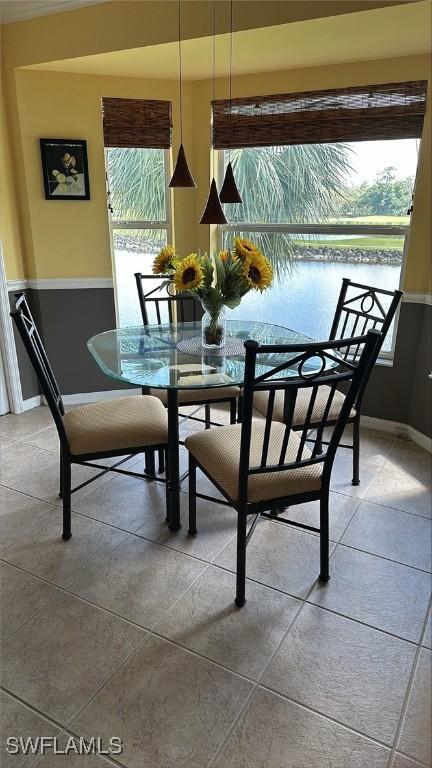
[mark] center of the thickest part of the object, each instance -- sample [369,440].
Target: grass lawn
[400,221]
[367,242]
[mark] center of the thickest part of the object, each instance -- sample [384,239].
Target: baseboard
[82,398]
[397,429]
[32,402]
[418,437]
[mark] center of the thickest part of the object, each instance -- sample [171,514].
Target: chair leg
[149,462]
[207,416]
[161,458]
[192,496]
[240,409]
[240,598]
[67,493]
[166,485]
[356,452]
[324,538]
[233,411]
[61,476]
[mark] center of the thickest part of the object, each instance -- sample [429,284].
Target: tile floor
[129,630]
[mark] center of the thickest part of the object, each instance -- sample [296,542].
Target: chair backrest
[312,368]
[160,305]
[361,308]
[35,349]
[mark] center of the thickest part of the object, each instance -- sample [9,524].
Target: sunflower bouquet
[217,281]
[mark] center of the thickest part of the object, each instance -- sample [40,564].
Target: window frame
[385,357]
[164,224]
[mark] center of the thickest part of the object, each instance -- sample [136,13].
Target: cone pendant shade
[229,192]
[213,213]
[182,176]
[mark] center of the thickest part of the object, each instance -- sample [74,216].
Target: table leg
[173,496]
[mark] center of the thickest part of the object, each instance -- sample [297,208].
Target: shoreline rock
[343,254]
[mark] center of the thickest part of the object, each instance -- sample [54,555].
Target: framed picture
[65,169]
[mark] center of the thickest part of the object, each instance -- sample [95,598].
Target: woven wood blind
[137,123]
[361,113]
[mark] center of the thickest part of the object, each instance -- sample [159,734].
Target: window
[137,138]
[322,212]
[140,219]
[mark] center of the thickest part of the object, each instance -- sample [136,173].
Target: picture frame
[65,169]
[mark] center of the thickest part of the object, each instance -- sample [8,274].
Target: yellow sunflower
[188,273]
[224,255]
[258,271]
[163,260]
[243,248]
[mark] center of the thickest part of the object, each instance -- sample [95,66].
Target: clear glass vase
[214,329]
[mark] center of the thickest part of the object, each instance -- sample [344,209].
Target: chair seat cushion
[111,425]
[218,452]
[302,404]
[198,395]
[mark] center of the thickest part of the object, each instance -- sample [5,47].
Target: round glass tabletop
[171,356]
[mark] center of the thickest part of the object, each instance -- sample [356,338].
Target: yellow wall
[71,238]
[128,24]
[9,232]
[418,265]
[60,104]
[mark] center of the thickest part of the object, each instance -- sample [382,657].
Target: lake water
[305,301]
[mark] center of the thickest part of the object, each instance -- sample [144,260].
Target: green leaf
[233,303]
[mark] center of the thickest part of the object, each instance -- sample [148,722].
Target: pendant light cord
[180,73]
[213,85]
[230,78]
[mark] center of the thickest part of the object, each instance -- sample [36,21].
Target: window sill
[386,362]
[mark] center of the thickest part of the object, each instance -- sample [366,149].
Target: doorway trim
[8,348]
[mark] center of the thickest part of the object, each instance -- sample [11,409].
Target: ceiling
[17,10]
[401,30]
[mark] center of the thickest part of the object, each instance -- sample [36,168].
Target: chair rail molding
[417,298]
[60,283]
[12,374]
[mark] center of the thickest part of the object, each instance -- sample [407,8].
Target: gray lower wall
[403,391]
[420,406]
[68,318]
[29,383]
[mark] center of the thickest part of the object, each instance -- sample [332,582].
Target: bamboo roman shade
[137,123]
[361,113]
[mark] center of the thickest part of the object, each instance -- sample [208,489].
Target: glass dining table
[171,358]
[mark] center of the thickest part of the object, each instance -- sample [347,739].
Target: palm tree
[137,183]
[297,184]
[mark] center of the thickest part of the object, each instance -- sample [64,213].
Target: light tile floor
[129,630]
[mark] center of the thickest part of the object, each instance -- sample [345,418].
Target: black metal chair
[159,306]
[359,309]
[261,466]
[101,430]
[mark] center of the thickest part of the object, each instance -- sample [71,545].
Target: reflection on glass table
[170,357]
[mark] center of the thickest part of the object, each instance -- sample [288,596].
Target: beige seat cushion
[111,425]
[198,395]
[302,404]
[218,451]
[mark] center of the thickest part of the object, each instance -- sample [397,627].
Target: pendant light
[229,192]
[182,176]
[213,213]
